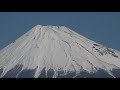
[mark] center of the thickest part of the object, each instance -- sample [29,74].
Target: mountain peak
[48,26]
[57,51]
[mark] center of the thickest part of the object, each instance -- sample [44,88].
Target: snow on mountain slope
[57,50]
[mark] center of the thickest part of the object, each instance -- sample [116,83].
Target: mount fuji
[57,52]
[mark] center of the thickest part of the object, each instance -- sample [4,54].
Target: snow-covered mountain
[57,52]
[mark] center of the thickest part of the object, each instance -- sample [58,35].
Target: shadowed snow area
[1,70]
[57,52]
[13,72]
[17,73]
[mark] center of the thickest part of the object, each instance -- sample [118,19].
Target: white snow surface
[56,47]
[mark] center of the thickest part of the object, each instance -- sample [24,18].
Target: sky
[101,27]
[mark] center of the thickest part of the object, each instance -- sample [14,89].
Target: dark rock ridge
[27,73]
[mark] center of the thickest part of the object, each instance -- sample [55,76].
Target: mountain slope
[57,51]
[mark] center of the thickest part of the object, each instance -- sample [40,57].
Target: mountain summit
[57,52]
